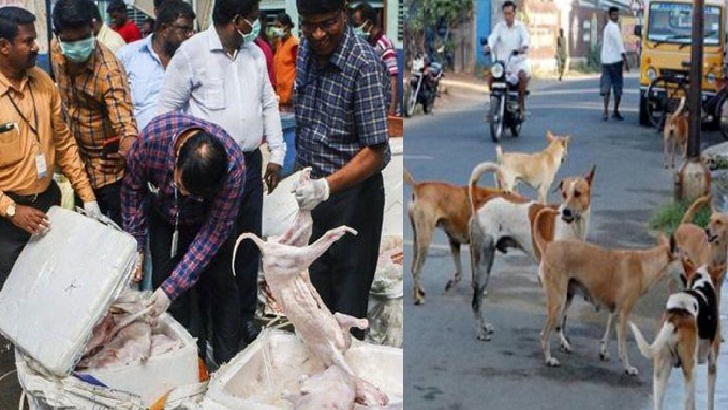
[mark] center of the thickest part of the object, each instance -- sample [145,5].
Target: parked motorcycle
[504,109]
[423,90]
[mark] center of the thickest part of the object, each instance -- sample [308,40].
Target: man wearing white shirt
[614,61]
[509,35]
[220,75]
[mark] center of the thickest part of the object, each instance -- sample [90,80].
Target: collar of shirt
[146,46]
[215,43]
[6,85]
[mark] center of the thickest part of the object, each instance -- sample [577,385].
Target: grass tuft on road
[667,217]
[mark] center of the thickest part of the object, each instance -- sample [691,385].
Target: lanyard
[35,114]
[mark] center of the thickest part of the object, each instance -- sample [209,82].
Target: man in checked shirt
[96,100]
[341,104]
[191,174]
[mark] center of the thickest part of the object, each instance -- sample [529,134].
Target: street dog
[688,337]
[705,246]
[500,223]
[612,277]
[535,169]
[675,134]
[438,204]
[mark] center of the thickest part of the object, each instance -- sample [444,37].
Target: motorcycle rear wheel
[496,119]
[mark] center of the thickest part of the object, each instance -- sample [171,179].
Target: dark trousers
[250,219]
[12,238]
[109,199]
[215,295]
[344,274]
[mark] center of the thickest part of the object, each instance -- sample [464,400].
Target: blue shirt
[340,108]
[146,75]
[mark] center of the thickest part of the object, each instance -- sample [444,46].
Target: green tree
[427,13]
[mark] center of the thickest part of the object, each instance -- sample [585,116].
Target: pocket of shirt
[10,148]
[215,95]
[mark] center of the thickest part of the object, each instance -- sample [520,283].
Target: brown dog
[705,246]
[616,278]
[675,134]
[688,337]
[535,169]
[438,204]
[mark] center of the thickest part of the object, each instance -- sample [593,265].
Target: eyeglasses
[184,29]
[308,27]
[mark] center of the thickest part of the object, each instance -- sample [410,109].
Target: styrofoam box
[160,374]
[259,377]
[61,286]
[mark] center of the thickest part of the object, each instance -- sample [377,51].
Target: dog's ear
[549,136]
[559,186]
[590,176]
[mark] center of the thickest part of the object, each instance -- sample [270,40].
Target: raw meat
[330,389]
[285,265]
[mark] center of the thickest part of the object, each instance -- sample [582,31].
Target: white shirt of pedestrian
[613,45]
[231,91]
[505,39]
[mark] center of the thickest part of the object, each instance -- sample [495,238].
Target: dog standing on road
[688,337]
[537,169]
[438,204]
[615,278]
[499,223]
[675,134]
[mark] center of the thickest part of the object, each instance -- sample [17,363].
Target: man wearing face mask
[285,59]
[183,187]
[220,75]
[341,94]
[363,20]
[96,98]
[146,60]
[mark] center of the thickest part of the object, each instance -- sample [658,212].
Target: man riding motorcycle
[509,35]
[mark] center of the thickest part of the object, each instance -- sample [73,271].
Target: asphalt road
[445,366]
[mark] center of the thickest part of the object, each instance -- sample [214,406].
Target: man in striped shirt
[96,100]
[341,116]
[364,20]
[190,174]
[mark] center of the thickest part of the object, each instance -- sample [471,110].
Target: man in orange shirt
[97,101]
[34,139]
[122,25]
[284,60]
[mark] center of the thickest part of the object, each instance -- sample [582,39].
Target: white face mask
[250,37]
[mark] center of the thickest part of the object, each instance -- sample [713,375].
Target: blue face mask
[250,37]
[77,51]
[359,31]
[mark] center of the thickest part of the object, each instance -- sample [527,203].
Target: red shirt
[268,59]
[129,32]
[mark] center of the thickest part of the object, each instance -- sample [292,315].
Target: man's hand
[139,268]
[92,209]
[30,220]
[159,303]
[272,176]
[125,145]
[310,194]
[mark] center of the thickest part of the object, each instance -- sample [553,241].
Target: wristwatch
[10,211]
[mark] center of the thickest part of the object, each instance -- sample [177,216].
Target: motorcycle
[504,109]
[420,91]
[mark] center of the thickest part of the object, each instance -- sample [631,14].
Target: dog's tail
[479,170]
[541,242]
[408,178]
[661,341]
[690,213]
[681,107]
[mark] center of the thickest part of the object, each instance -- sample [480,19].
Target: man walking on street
[146,60]
[34,139]
[341,94]
[364,21]
[561,53]
[614,63]
[97,101]
[191,174]
[220,75]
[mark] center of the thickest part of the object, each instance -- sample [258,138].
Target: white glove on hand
[92,209]
[159,303]
[311,193]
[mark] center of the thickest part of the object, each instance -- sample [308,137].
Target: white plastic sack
[386,313]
